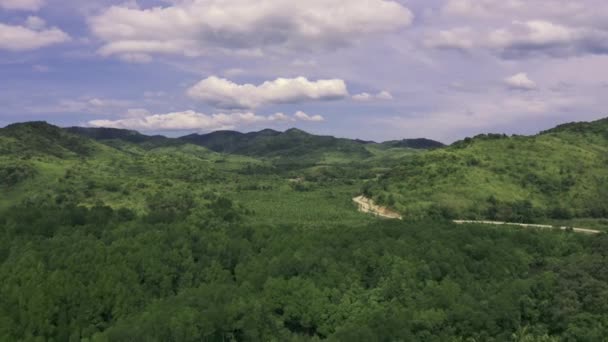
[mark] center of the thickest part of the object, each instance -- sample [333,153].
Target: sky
[369,69]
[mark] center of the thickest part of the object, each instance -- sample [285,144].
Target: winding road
[367,205]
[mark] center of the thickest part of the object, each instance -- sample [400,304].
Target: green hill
[108,135]
[422,144]
[559,174]
[40,138]
[293,145]
[108,235]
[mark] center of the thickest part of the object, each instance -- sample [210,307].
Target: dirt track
[533,226]
[367,205]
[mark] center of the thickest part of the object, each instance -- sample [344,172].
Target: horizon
[181,135]
[441,69]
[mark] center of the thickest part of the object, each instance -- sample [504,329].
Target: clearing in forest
[367,205]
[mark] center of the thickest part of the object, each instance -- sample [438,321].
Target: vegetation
[560,174]
[109,235]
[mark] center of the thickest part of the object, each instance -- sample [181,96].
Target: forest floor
[367,205]
[533,226]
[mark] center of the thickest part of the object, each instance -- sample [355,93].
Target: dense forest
[115,236]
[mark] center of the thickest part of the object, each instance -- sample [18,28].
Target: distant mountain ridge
[420,143]
[228,141]
[267,142]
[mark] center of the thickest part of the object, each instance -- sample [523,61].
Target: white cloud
[539,37]
[21,38]
[35,23]
[516,29]
[92,105]
[384,95]
[457,38]
[222,93]
[26,5]
[198,27]
[480,8]
[471,114]
[520,81]
[365,97]
[305,117]
[525,39]
[189,120]
[139,58]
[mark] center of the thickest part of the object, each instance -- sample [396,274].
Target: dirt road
[367,205]
[536,226]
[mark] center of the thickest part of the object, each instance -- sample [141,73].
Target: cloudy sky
[371,69]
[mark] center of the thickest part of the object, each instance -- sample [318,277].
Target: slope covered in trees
[558,174]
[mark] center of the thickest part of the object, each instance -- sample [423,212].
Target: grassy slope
[127,173]
[562,171]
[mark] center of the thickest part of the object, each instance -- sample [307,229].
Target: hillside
[40,138]
[108,135]
[422,144]
[559,174]
[105,236]
[292,146]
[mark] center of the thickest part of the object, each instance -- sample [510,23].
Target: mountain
[293,143]
[422,144]
[41,138]
[561,173]
[264,143]
[596,127]
[110,134]
[229,141]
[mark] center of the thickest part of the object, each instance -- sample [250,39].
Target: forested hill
[34,138]
[421,143]
[558,174]
[114,134]
[266,142]
[293,142]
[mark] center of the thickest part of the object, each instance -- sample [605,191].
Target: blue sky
[371,69]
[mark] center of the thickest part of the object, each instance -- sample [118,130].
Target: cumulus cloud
[198,27]
[365,97]
[520,81]
[517,29]
[190,120]
[35,23]
[305,117]
[525,39]
[481,8]
[26,5]
[540,37]
[460,38]
[222,93]
[22,38]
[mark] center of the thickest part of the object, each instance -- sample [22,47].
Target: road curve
[367,205]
